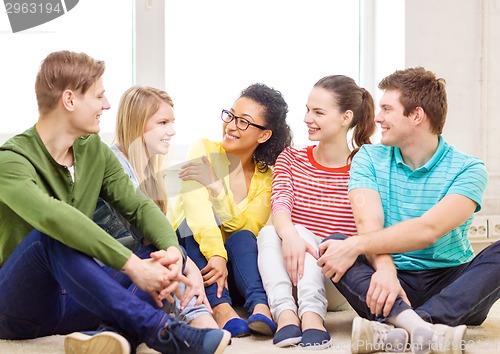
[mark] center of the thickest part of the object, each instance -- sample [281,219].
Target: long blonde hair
[137,105]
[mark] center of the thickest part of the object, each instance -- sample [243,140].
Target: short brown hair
[420,88]
[62,71]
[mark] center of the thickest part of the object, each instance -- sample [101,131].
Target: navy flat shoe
[287,336]
[262,324]
[315,339]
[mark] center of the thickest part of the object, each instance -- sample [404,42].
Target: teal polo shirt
[408,194]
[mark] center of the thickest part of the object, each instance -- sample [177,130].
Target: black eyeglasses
[241,123]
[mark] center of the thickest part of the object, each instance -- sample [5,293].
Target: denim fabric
[110,220]
[48,288]
[131,237]
[451,296]
[117,226]
[242,267]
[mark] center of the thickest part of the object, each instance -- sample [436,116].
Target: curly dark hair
[275,110]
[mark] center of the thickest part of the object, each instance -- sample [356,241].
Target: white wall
[225,45]
[458,40]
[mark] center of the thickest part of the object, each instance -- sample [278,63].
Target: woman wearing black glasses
[225,201]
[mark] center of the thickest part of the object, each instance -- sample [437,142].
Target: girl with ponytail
[310,202]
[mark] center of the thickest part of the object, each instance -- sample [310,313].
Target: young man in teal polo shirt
[411,273]
[50,179]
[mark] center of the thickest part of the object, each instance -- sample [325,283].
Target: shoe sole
[240,335]
[356,325]
[456,345]
[288,342]
[102,343]
[225,341]
[458,338]
[260,328]
[321,346]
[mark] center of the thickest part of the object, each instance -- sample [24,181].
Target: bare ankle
[262,309]
[204,321]
[312,320]
[223,313]
[288,317]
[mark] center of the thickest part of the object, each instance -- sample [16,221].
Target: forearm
[215,188]
[282,222]
[211,243]
[382,262]
[200,219]
[190,267]
[410,235]
[225,208]
[26,200]
[375,222]
[407,236]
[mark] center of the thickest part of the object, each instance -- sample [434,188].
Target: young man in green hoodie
[51,177]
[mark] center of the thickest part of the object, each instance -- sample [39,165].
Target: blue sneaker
[98,342]
[177,337]
[261,324]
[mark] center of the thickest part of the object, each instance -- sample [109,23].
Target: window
[214,49]
[85,28]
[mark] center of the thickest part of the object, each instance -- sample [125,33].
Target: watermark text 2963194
[24,14]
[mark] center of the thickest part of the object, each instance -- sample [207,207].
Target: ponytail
[349,96]
[364,126]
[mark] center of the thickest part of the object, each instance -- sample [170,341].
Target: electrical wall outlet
[479,228]
[494,226]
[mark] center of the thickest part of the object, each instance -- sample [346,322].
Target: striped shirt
[314,195]
[406,194]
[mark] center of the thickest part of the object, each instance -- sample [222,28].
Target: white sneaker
[106,342]
[372,336]
[439,339]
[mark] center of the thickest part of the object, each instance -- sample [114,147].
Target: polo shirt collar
[429,164]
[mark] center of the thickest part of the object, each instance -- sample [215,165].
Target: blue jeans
[48,288]
[451,296]
[131,237]
[117,226]
[242,267]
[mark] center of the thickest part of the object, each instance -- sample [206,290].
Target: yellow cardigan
[196,205]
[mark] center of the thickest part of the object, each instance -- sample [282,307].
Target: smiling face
[238,142]
[89,108]
[159,129]
[323,119]
[395,126]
